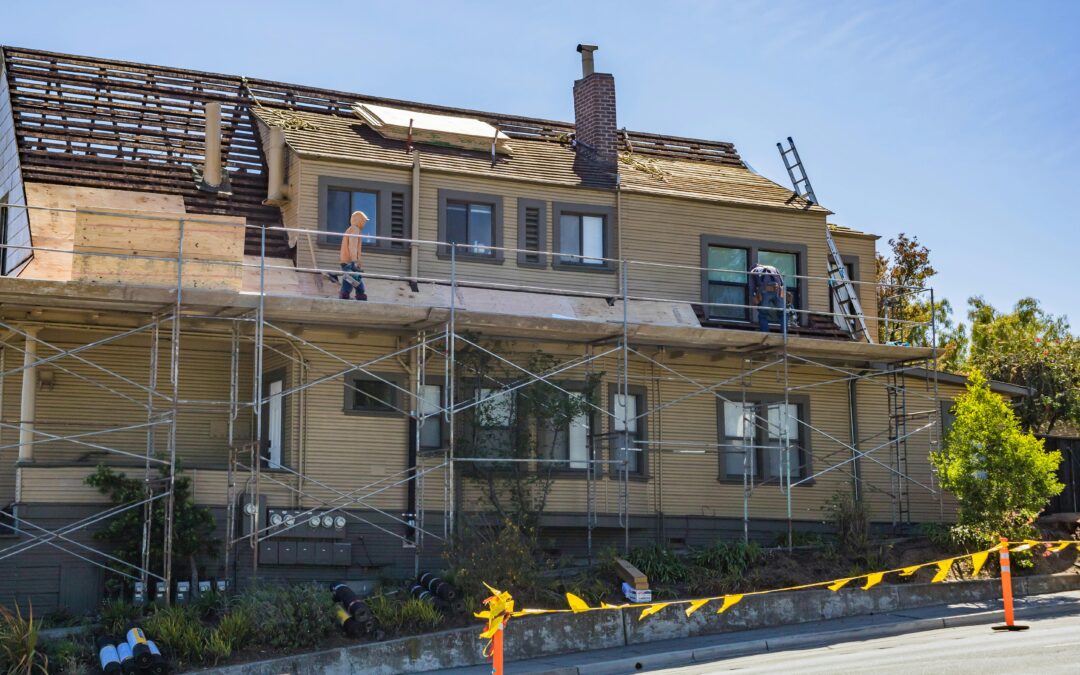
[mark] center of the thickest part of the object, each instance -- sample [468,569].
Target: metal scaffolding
[250,330]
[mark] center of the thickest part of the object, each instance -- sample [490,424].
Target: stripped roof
[116,124]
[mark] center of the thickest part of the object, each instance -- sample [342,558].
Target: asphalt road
[1051,645]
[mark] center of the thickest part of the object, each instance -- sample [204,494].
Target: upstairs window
[472,224]
[627,442]
[726,279]
[343,203]
[583,236]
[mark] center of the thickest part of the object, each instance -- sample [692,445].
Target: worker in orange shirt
[351,251]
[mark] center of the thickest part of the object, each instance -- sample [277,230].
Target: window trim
[642,474]
[382,220]
[753,246]
[558,210]
[348,407]
[758,398]
[523,204]
[496,202]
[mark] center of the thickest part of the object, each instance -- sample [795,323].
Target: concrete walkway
[703,649]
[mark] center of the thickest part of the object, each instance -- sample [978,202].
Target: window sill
[607,268]
[443,253]
[723,480]
[361,412]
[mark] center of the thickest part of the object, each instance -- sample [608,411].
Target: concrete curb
[534,638]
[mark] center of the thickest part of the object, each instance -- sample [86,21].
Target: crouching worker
[767,290]
[351,251]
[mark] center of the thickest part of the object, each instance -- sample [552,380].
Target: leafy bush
[20,643]
[178,628]
[117,616]
[236,628]
[661,565]
[504,557]
[65,656]
[211,604]
[217,647]
[419,614]
[850,519]
[731,558]
[289,617]
[1002,476]
[403,615]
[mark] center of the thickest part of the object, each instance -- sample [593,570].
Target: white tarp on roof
[446,130]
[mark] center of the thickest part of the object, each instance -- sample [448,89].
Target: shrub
[20,649]
[211,604]
[1002,476]
[217,647]
[504,557]
[729,558]
[289,617]
[385,611]
[419,614]
[850,519]
[661,565]
[178,628]
[237,628]
[64,656]
[117,616]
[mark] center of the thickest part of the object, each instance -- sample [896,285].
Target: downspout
[853,418]
[414,245]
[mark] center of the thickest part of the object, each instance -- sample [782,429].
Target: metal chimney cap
[587,48]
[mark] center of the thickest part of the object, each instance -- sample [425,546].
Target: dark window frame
[542,252]
[384,196]
[853,262]
[753,247]
[348,403]
[560,471]
[642,394]
[462,253]
[805,456]
[560,209]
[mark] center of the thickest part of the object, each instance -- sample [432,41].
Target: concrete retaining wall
[545,635]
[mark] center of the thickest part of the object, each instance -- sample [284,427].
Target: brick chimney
[594,112]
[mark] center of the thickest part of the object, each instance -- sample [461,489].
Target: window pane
[480,229]
[570,238]
[455,224]
[431,428]
[592,239]
[728,302]
[337,212]
[497,411]
[734,457]
[368,202]
[738,420]
[578,441]
[372,395]
[726,258]
[625,407]
[774,461]
[787,263]
[777,420]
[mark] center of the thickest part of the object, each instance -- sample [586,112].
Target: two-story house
[168,303]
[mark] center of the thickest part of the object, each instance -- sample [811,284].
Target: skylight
[445,130]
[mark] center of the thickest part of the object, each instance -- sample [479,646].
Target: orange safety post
[1006,588]
[497,650]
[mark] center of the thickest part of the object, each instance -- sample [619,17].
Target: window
[726,282]
[752,435]
[948,417]
[490,425]
[385,204]
[629,431]
[273,420]
[571,442]
[472,223]
[532,233]
[343,203]
[431,428]
[369,394]
[583,237]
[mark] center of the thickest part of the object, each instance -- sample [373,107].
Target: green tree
[1001,475]
[905,306]
[193,525]
[1030,348]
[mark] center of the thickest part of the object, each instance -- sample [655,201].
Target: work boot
[343,295]
[361,296]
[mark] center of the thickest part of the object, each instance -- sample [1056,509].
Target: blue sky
[954,121]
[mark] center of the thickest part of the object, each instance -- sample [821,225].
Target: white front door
[273,424]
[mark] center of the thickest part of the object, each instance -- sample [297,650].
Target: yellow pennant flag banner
[500,606]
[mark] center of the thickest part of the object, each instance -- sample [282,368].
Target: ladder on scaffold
[849,313]
[898,416]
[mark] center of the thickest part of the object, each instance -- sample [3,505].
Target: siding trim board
[384,219]
[462,254]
